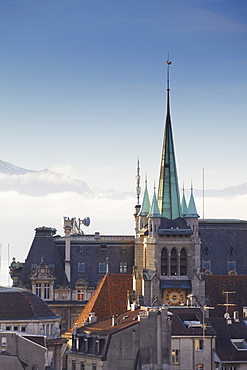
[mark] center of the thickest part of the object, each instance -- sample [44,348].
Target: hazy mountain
[9,168]
[38,183]
[230,191]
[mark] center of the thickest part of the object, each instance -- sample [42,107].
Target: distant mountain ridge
[43,182]
[38,183]
[9,168]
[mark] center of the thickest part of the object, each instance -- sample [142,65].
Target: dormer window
[80,295]
[239,344]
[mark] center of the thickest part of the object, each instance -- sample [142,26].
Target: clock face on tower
[174,297]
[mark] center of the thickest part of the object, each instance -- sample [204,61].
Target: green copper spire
[184,208]
[145,202]
[168,193]
[192,212]
[154,209]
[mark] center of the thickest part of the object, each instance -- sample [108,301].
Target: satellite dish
[86,221]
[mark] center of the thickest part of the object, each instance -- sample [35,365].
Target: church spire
[168,192]
[145,203]
[184,207]
[191,211]
[154,209]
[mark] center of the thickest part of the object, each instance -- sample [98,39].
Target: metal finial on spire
[168,63]
[138,179]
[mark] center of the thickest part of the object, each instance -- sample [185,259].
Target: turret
[192,215]
[144,211]
[154,217]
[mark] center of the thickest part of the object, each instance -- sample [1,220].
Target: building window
[164,266]
[231,266]
[97,345]
[38,289]
[73,364]
[33,265]
[23,328]
[47,291]
[35,367]
[81,267]
[123,267]
[103,247]
[85,345]
[198,344]
[206,265]
[81,248]
[47,331]
[199,367]
[174,262]
[175,356]
[102,267]
[94,366]
[205,250]
[183,262]
[82,366]
[80,295]
[16,328]
[8,327]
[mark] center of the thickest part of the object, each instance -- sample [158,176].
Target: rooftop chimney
[96,235]
[92,318]
[113,320]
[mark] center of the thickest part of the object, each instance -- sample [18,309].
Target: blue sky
[83,89]
[83,86]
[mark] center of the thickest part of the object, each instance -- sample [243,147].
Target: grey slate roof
[19,304]
[43,246]
[226,332]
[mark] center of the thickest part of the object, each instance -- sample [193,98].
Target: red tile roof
[109,299]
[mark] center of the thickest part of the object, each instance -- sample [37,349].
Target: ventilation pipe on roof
[228,318]
[96,235]
[236,316]
[113,320]
[92,318]
[133,306]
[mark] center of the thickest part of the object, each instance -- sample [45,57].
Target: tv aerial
[76,225]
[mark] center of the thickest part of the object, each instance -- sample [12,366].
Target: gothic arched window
[174,262]
[183,262]
[164,265]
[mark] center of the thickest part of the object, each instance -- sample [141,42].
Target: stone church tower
[167,245]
